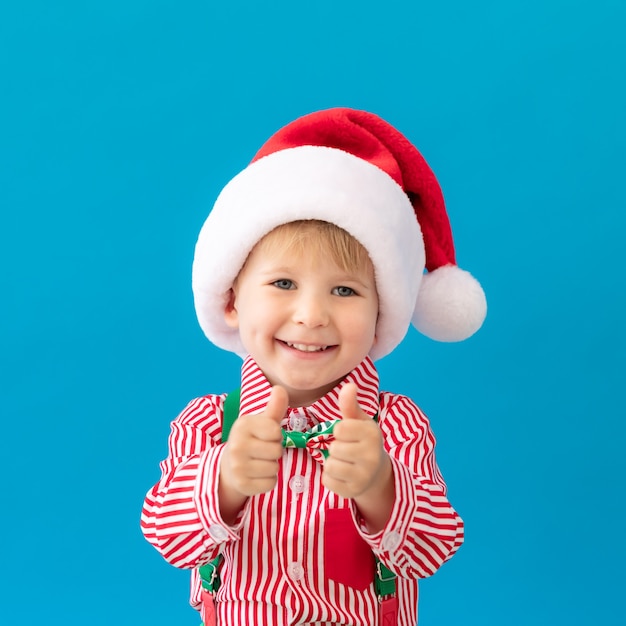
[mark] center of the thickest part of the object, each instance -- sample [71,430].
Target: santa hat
[353,169]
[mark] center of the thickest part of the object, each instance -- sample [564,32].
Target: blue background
[119,124]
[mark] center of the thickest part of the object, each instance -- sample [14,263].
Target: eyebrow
[279,269]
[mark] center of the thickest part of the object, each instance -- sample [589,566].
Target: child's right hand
[249,463]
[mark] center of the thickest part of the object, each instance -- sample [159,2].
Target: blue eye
[283,283]
[343,291]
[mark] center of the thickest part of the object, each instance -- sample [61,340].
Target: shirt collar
[255,391]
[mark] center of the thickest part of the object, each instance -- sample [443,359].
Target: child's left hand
[357,460]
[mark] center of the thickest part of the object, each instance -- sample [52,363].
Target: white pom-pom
[451,305]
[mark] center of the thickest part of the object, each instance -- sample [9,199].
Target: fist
[357,457]
[249,463]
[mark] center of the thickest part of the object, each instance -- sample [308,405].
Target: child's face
[306,321]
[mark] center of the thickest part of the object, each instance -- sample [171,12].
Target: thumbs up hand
[357,460]
[249,463]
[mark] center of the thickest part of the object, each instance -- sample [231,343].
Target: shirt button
[297,422]
[391,541]
[297,484]
[295,571]
[218,533]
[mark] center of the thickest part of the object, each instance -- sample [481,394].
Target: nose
[310,309]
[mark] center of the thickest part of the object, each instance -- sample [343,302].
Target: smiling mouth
[303,347]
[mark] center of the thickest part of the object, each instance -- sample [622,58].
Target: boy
[310,266]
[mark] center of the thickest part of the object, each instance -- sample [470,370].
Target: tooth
[305,348]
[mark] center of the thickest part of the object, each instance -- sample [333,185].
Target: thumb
[277,405]
[348,403]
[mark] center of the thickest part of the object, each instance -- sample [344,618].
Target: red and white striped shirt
[299,554]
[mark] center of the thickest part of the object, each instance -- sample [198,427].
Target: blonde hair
[318,239]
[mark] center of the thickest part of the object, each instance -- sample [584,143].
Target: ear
[231,317]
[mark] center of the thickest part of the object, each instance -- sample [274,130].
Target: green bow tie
[316,440]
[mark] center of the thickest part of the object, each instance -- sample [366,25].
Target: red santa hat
[353,169]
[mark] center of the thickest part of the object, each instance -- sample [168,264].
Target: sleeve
[423,531]
[181,516]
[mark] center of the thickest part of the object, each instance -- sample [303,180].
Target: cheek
[360,329]
[259,319]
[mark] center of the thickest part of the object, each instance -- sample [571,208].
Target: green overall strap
[231,412]
[385,582]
